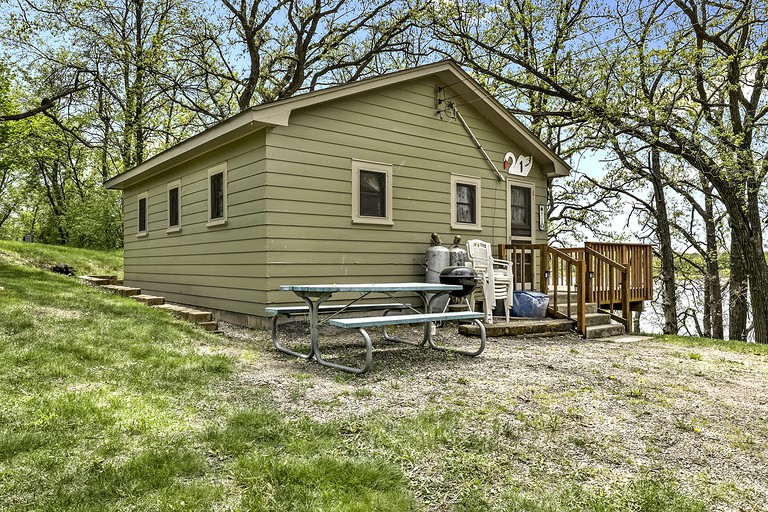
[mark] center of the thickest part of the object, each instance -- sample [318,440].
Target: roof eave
[232,129]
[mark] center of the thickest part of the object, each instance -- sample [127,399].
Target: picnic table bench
[382,321]
[325,309]
[315,295]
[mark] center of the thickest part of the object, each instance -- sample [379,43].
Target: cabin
[343,184]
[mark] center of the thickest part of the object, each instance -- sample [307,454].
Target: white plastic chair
[496,279]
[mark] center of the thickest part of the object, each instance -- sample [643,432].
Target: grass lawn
[111,405]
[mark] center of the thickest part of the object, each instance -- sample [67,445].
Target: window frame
[173,228]
[472,181]
[218,221]
[375,167]
[531,212]
[140,233]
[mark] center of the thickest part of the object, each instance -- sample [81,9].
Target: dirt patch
[596,412]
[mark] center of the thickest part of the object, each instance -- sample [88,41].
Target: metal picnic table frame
[314,295]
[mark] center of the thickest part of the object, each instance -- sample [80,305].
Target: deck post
[625,298]
[543,268]
[582,311]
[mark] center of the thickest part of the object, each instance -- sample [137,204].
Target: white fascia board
[233,128]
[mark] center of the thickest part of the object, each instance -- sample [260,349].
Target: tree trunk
[667,256]
[712,279]
[737,301]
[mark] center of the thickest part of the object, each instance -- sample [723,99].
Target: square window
[174,206]
[371,193]
[465,202]
[142,215]
[217,195]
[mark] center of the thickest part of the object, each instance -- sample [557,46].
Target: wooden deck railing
[615,276]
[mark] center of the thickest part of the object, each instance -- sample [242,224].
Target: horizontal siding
[220,267]
[311,235]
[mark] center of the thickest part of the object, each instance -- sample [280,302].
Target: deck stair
[203,319]
[616,277]
[598,324]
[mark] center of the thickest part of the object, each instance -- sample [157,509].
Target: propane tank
[457,253]
[438,258]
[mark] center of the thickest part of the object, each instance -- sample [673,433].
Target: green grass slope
[111,405]
[83,261]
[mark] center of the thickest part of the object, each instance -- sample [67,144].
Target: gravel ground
[564,409]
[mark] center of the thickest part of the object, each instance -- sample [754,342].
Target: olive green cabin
[341,185]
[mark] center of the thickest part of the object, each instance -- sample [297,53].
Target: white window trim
[221,168]
[362,165]
[145,232]
[457,179]
[522,184]
[169,228]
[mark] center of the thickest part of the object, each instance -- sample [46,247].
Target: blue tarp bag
[529,304]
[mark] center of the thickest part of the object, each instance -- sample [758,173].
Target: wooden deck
[616,277]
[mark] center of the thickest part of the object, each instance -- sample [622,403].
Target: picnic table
[314,295]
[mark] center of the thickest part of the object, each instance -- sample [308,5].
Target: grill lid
[463,276]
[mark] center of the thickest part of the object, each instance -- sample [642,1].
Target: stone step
[177,311]
[149,300]
[199,317]
[603,331]
[123,291]
[209,326]
[98,280]
[202,318]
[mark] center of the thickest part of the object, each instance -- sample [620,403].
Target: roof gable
[278,113]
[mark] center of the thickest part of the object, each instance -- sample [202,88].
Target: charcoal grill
[463,276]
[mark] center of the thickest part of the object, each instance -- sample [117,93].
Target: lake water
[690,307]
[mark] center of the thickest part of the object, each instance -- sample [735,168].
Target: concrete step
[590,308]
[149,300]
[603,331]
[563,297]
[519,327]
[123,291]
[597,319]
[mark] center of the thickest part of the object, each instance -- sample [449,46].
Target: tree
[294,46]
[122,51]
[707,61]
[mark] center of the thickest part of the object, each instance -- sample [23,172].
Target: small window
[174,206]
[519,211]
[465,203]
[142,215]
[371,192]
[217,195]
